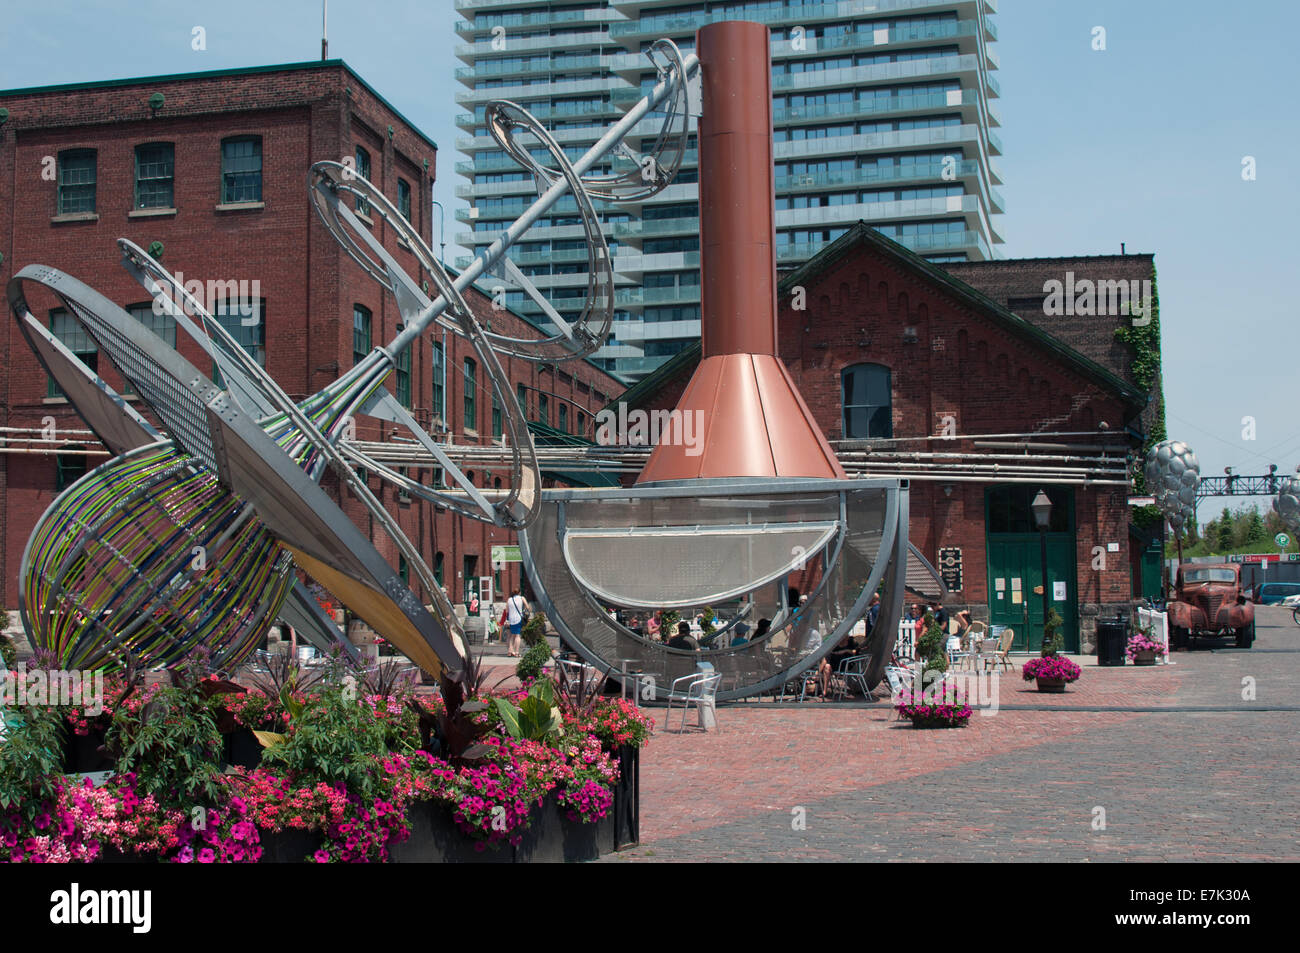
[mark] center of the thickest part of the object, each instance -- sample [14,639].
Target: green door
[1015,583]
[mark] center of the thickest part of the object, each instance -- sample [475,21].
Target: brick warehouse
[972,350]
[213,167]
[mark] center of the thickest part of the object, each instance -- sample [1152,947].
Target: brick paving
[1018,785]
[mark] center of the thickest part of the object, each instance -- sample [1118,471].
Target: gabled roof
[864,234]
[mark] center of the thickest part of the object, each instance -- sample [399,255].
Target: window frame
[872,409]
[62,196]
[360,311]
[470,395]
[170,179]
[231,191]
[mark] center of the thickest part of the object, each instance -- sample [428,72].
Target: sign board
[506,554]
[1141,501]
[950,568]
[1058,591]
[1282,540]
[1256,558]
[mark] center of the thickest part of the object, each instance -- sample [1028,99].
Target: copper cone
[741,399]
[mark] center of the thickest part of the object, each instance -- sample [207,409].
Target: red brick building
[212,167]
[913,373]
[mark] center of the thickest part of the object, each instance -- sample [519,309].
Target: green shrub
[932,648]
[530,666]
[172,744]
[30,758]
[8,651]
[534,630]
[337,738]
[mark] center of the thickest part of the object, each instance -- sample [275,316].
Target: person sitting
[740,634]
[764,626]
[683,640]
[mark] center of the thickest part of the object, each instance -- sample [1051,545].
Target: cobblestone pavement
[1027,783]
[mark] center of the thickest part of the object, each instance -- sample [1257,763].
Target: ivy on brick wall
[1143,341]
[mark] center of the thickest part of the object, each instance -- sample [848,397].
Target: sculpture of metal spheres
[1287,503]
[1172,475]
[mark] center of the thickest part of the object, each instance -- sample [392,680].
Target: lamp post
[1042,509]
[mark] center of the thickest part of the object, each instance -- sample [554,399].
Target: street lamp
[1042,509]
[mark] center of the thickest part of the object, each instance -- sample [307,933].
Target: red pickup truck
[1210,602]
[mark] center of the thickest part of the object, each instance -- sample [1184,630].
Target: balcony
[468,28]
[964,99]
[875,176]
[660,226]
[470,52]
[657,25]
[649,297]
[599,85]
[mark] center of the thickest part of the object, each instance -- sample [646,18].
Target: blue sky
[1141,143]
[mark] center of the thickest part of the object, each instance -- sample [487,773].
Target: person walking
[516,610]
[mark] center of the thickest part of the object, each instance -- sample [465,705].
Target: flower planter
[1144,657]
[289,846]
[551,838]
[1053,685]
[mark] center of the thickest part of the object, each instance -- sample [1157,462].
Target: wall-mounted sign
[950,567]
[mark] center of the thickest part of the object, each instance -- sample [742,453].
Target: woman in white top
[516,606]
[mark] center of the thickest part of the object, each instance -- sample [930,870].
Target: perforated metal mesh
[156,375]
[839,582]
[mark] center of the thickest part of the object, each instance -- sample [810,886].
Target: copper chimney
[741,398]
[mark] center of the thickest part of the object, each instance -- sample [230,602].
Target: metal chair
[1002,654]
[852,673]
[702,692]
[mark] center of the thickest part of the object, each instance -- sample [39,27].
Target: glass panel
[154,175]
[241,170]
[76,181]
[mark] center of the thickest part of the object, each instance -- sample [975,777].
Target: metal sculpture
[1172,474]
[763,508]
[1287,502]
[258,456]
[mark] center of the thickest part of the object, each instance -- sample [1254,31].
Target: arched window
[867,402]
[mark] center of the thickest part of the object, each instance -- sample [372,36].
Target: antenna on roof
[324,31]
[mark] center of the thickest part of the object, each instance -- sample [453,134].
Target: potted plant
[1052,671]
[1142,649]
[938,704]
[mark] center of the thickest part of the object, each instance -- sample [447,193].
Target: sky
[1142,142]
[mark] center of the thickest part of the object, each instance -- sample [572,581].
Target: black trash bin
[1112,639]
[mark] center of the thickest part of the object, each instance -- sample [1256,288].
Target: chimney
[743,404]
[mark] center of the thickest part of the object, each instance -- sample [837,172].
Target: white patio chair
[702,693]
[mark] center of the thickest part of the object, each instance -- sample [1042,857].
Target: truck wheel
[1246,636]
[1178,637]
[1295,615]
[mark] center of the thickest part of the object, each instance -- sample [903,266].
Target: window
[360,333]
[471,395]
[1009,509]
[563,412]
[543,410]
[439,381]
[438,559]
[363,170]
[74,337]
[70,467]
[241,170]
[404,198]
[404,376]
[496,416]
[76,181]
[867,402]
[246,323]
[521,393]
[155,175]
[403,570]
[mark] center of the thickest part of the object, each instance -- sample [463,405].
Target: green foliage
[932,648]
[530,666]
[338,738]
[537,718]
[1053,637]
[30,758]
[8,651]
[534,630]
[1245,530]
[1143,343]
[668,620]
[707,628]
[171,744]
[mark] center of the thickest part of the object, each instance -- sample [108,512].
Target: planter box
[1144,657]
[1055,686]
[242,748]
[81,754]
[289,846]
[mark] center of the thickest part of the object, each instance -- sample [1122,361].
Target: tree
[1224,540]
[1255,532]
